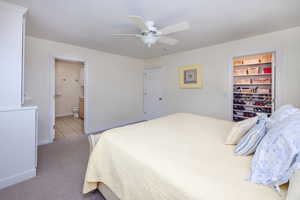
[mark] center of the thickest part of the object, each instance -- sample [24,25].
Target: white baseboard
[45,142]
[64,115]
[12,180]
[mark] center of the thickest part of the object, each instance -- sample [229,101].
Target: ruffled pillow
[278,155]
[280,114]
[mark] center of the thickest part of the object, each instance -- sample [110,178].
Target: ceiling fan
[150,34]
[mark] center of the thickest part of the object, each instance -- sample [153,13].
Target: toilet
[75,111]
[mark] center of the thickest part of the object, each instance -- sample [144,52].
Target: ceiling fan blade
[175,28]
[125,35]
[139,22]
[167,40]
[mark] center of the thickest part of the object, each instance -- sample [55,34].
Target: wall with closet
[214,99]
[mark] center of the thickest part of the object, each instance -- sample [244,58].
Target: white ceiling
[90,23]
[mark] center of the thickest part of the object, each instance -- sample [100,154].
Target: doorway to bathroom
[68,98]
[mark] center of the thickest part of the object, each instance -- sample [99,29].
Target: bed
[180,156]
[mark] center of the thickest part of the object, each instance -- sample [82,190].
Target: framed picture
[190,76]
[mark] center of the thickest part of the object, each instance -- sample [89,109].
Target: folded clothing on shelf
[263,90]
[243,81]
[249,60]
[267,70]
[240,71]
[238,61]
[247,90]
[253,70]
[264,80]
[266,58]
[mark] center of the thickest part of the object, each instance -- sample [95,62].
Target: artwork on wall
[190,76]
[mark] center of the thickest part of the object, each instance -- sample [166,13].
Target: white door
[153,99]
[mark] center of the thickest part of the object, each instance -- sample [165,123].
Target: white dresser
[18,123]
[18,144]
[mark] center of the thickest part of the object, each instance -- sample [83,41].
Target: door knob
[160,99]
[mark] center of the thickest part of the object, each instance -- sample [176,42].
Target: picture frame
[191,76]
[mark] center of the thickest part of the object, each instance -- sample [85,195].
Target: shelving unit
[253,88]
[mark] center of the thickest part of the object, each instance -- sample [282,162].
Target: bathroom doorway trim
[52,92]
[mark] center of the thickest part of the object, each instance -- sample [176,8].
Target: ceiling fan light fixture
[150,25]
[150,35]
[149,40]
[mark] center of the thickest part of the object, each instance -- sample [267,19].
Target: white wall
[114,85]
[11,18]
[213,99]
[67,86]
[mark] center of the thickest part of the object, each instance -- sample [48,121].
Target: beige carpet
[60,174]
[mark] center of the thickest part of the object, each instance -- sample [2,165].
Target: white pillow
[240,129]
[294,187]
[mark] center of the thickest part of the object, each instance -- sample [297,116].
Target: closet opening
[253,84]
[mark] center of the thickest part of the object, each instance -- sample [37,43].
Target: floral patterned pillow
[277,156]
[280,114]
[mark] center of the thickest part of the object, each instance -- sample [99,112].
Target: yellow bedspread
[178,157]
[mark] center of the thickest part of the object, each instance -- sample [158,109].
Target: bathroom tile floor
[68,127]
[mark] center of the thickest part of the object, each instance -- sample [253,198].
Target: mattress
[181,156]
